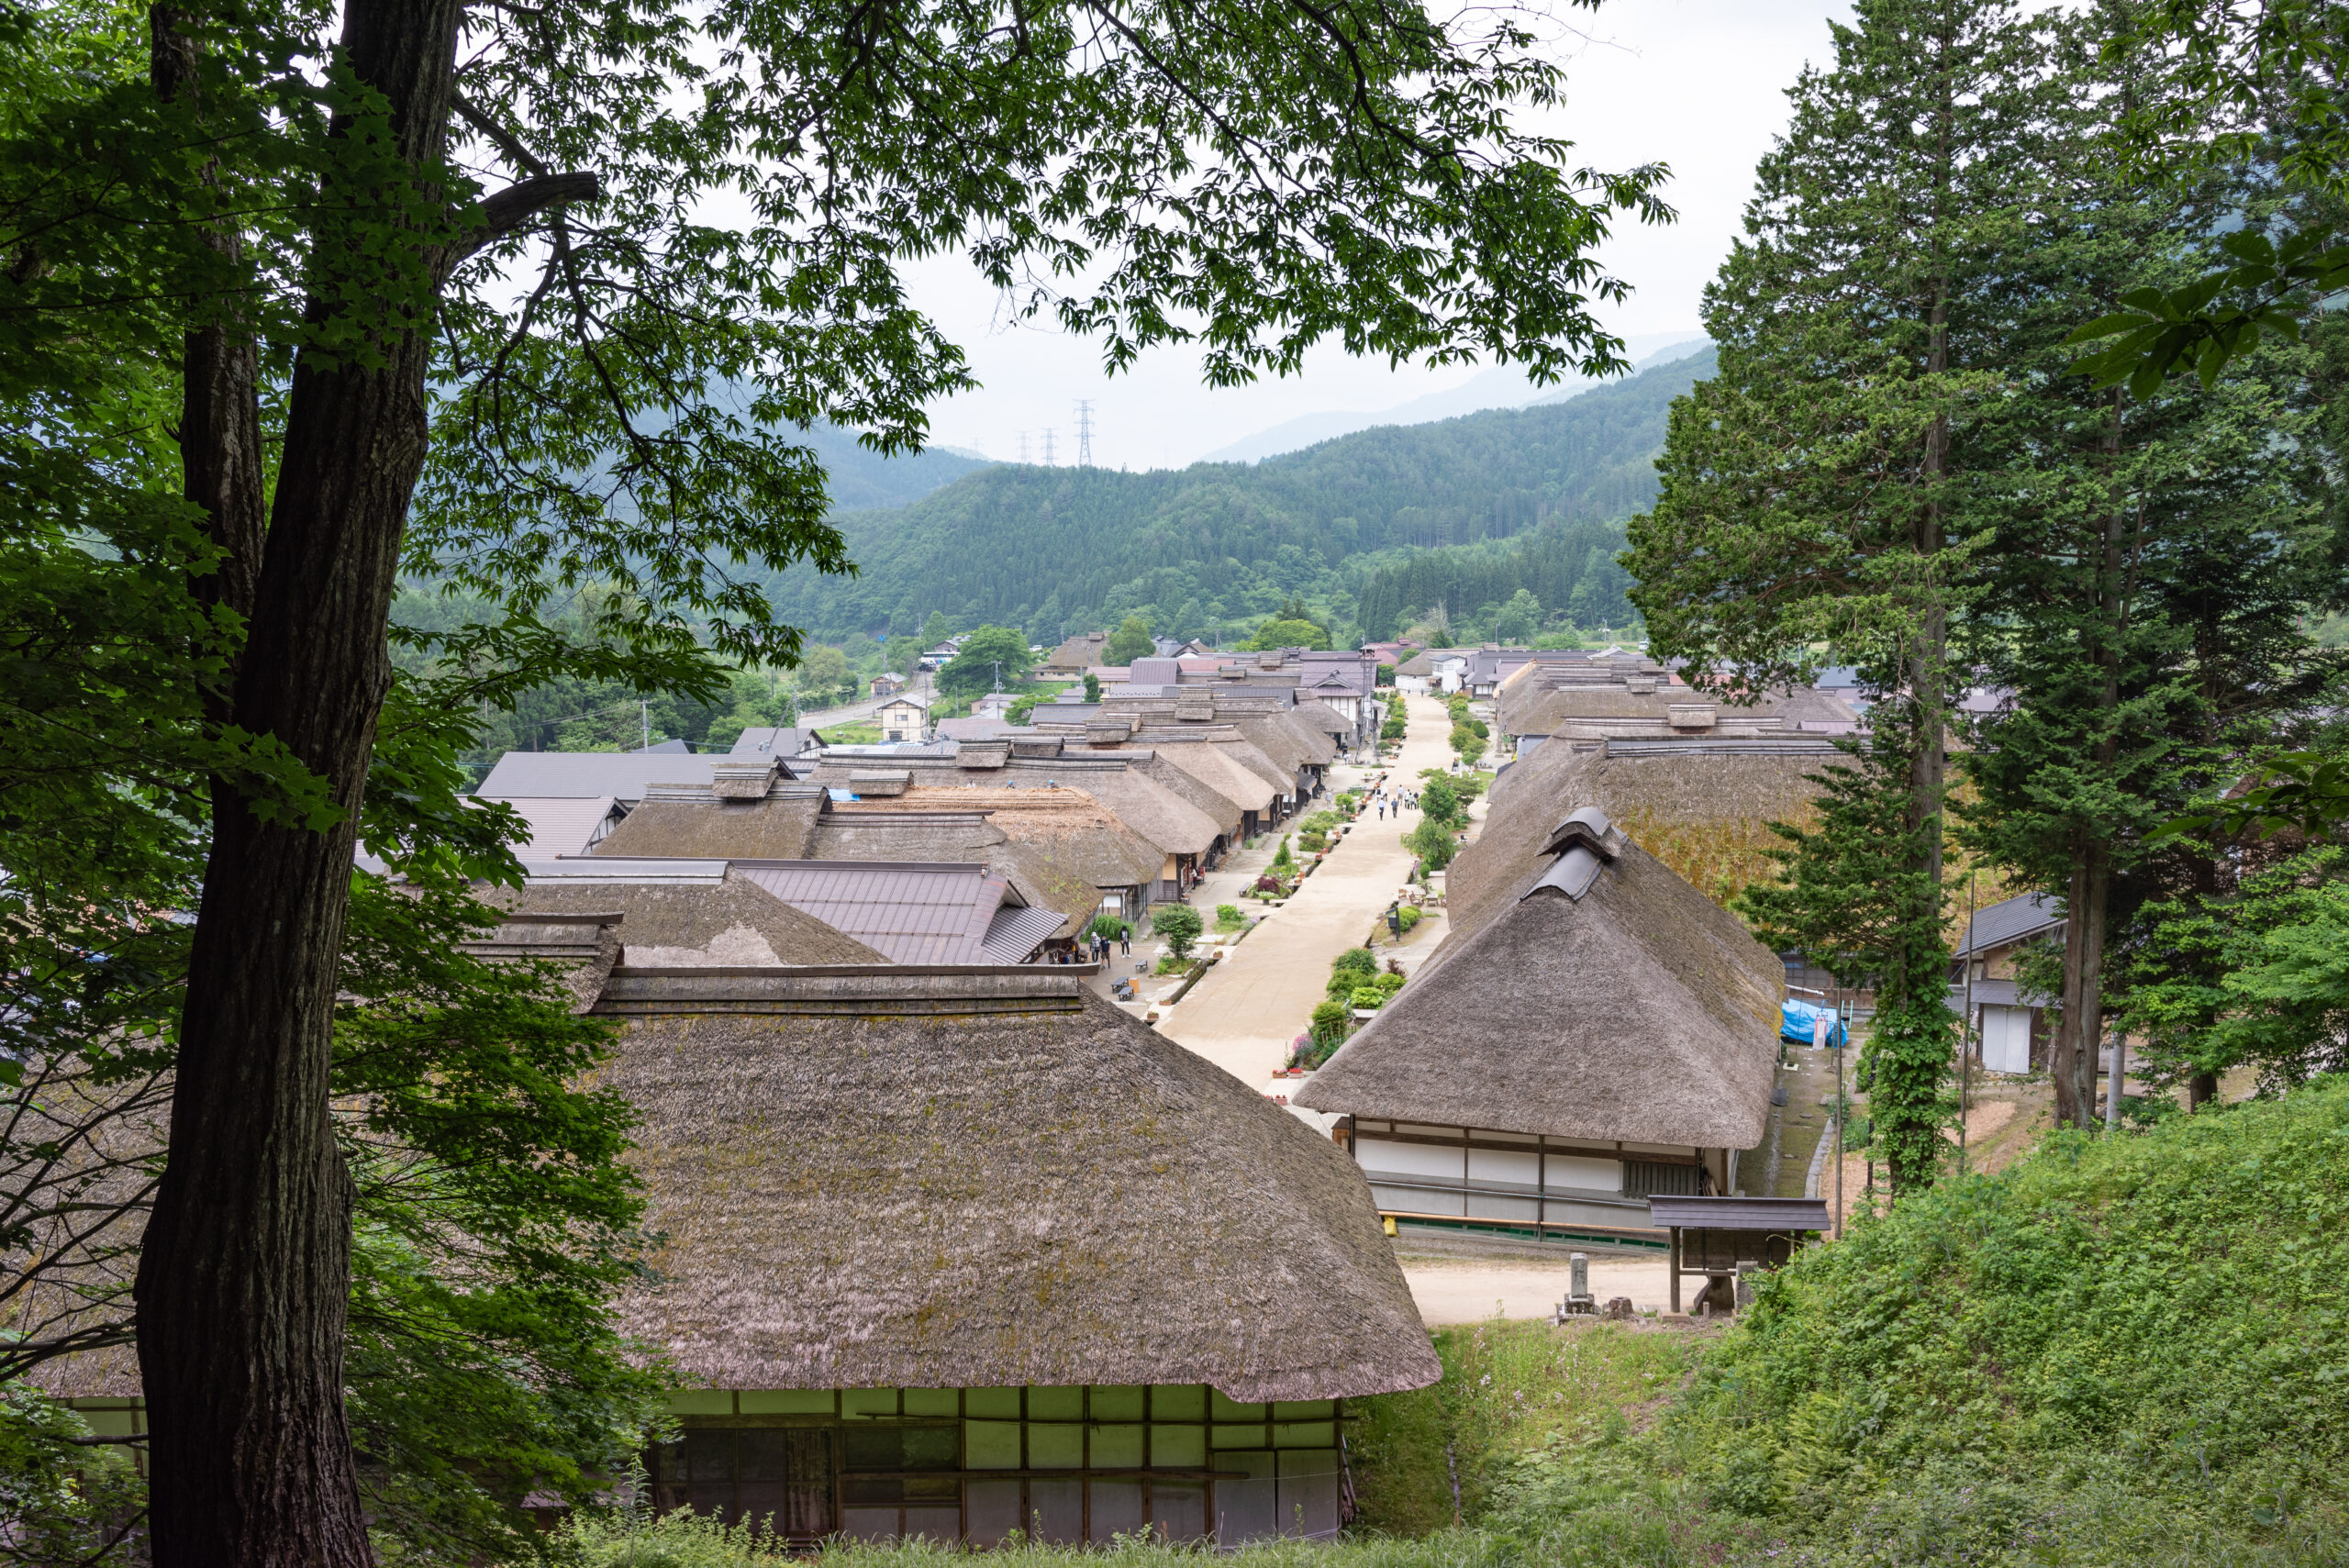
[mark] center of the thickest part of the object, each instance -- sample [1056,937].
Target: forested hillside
[1208,549]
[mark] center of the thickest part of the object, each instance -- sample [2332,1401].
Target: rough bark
[219,428]
[244,1278]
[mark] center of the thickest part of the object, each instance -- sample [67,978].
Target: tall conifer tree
[1818,493]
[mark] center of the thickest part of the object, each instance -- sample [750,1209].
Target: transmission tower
[1048,445]
[1023,447]
[1085,432]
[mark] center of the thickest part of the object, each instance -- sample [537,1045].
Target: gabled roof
[2011,920]
[911,911]
[785,740]
[1605,1000]
[562,824]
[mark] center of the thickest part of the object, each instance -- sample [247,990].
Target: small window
[1649,1178]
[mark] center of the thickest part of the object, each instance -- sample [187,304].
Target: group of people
[1101,942]
[1398,801]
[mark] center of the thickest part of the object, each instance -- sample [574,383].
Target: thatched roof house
[960,1252]
[1599,1032]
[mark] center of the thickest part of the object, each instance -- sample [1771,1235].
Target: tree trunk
[244,1278]
[219,428]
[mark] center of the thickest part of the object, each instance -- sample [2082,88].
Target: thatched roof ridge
[893,834]
[1323,719]
[679,925]
[1636,1009]
[779,826]
[1241,789]
[1003,1197]
[1067,826]
[1253,757]
[1120,780]
[1289,744]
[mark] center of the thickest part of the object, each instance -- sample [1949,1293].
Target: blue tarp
[1798,1023]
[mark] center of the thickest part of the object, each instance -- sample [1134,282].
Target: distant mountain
[861,479]
[1503,387]
[1214,545]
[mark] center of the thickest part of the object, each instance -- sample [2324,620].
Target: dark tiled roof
[2011,920]
[1740,1212]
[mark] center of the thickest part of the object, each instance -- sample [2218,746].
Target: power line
[1085,432]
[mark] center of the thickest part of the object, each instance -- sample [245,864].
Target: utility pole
[2112,1084]
[1023,446]
[1966,1030]
[1048,445]
[1085,432]
[644,716]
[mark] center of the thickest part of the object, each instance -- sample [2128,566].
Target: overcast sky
[1699,85]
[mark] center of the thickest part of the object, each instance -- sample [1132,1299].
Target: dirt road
[1246,1012]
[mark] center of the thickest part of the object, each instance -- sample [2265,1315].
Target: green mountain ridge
[1469,510]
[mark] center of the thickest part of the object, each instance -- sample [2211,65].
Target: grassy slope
[2129,1352]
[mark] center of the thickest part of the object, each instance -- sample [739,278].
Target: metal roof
[624,776]
[2010,920]
[1016,932]
[1740,1212]
[916,912]
[561,825]
[772,741]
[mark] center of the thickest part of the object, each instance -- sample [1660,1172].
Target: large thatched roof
[987,1180]
[1605,1000]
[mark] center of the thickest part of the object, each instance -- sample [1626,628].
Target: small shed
[1715,1238]
[2010,1019]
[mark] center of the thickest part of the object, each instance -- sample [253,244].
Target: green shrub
[1108,926]
[1369,997]
[1281,856]
[1411,915]
[1178,925]
[1433,842]
[1328,1021]
[1311,842]
[1228,918]
[1389,983]
[1355,960]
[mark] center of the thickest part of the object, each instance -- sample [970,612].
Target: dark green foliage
[2155,1303]
[1092,686]
[1240,538]
[2257,975]
[1106,926]
[1433,842]
[1179,924]
[1512,590]
[1854,899]
[1440,802]
[1130,641]
[990,655]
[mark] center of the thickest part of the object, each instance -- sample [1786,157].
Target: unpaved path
[1244,1014]
[1465,1290]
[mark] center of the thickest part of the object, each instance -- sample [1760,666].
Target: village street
[1243,1015]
